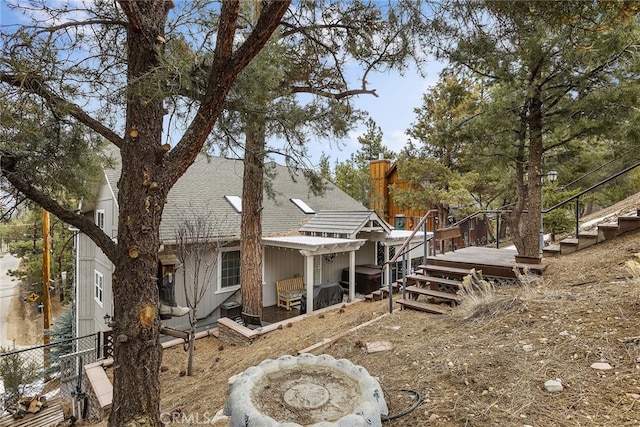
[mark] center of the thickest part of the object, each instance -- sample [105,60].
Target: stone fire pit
[306,390]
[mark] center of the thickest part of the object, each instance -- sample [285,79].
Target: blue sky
[392,110]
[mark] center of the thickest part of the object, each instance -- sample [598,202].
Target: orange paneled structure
[383,174]
[472,232]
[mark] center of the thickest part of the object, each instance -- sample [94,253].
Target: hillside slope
[486,364]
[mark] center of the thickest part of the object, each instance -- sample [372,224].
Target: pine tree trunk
[533,221]
[515,219]
[251,234]
[526,227]
[137,350]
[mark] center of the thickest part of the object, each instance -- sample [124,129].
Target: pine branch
[8,169]
[57,104]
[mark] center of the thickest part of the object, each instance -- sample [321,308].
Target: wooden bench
[290,291]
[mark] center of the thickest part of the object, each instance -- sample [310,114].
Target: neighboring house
[315,237]
[383,174]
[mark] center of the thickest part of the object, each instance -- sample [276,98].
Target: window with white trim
[229,269]
[100,218]
[98,286]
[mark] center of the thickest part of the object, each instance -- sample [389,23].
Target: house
[451,233]
[315,237]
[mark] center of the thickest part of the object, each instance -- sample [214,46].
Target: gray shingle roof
[345,223]
[209,179]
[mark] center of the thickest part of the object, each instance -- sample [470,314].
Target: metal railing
[403,251]
[25,371]
[583,192]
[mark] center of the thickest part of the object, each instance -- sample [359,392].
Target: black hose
[418,402]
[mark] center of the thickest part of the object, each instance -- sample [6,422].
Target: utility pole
[46,273]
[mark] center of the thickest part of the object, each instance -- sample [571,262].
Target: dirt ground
[485,364]
[25,327]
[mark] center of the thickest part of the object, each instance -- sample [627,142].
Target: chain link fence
[37,370]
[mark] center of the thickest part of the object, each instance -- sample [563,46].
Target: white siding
[91,258]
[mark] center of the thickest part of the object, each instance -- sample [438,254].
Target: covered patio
[315,251]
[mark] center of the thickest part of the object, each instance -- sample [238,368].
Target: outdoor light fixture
[328,258]
[107,319]
[552,176]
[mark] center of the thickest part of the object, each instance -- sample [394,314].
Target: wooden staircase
[435,285]
[433,289]
[604,231]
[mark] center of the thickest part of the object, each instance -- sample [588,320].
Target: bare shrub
[480,300]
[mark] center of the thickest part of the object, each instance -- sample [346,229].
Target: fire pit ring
[306,390]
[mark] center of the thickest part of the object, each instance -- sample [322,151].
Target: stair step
[608,225]
[385,289]
[431,293]
[431,279]
[422,306]
[444,270]
[570,241]
[627,223]
[608,230]
[551,250]
[587,239]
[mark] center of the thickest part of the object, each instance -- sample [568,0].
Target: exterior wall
[91,259]
[379,196]
[411,216]
[332,272]
[279,264]
[382,176]
[209,306]
[284,263]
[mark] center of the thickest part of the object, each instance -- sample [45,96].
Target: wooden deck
[50,415]
[275,314]
[493,262]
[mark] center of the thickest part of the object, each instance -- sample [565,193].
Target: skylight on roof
[303,206]
[235,202]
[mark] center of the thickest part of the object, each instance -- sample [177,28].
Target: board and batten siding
[279,263]
[209,307]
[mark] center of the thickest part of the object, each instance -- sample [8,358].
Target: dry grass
[484,365]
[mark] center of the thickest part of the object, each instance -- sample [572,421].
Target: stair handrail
[400,251]
[576,197]
[591,172]
[411,236]
[593,187]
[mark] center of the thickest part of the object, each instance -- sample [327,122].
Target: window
[235,202]
[98,286]
[230,269]
[100,219]
[303,206]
